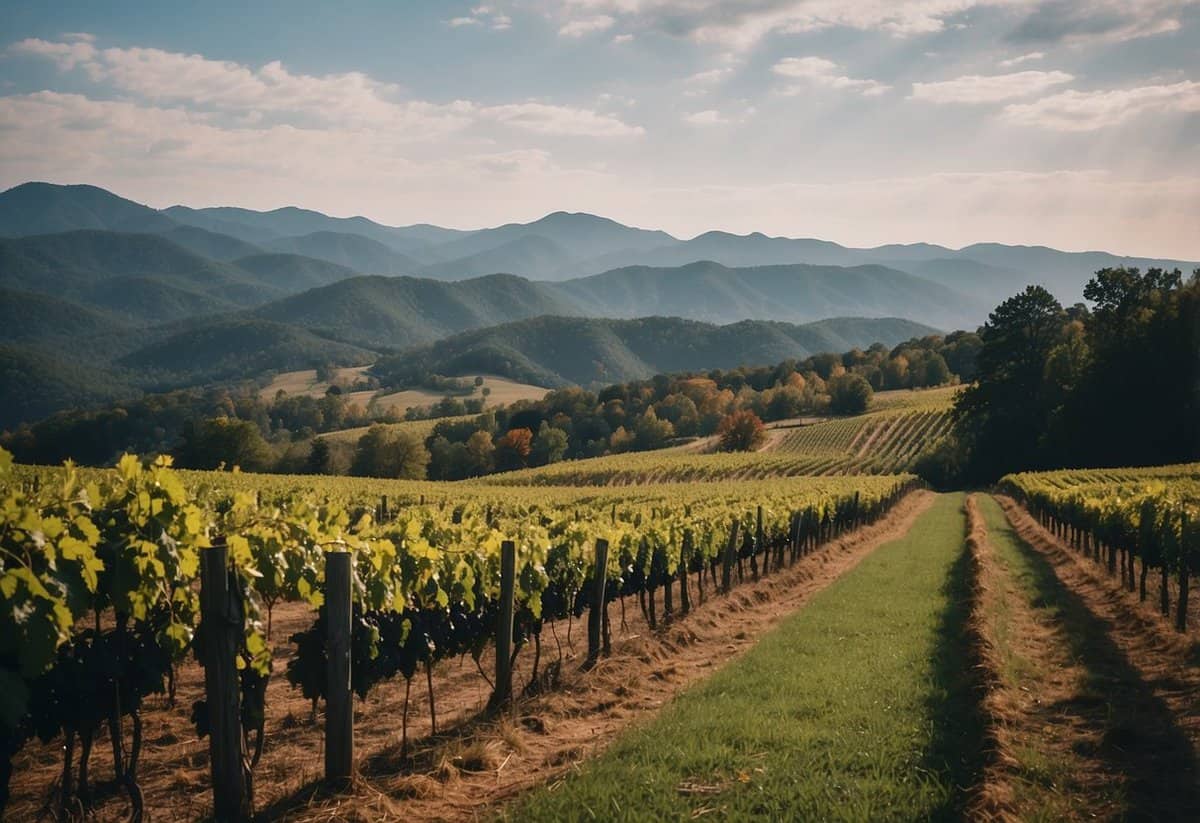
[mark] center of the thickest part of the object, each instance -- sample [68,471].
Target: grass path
[855,708]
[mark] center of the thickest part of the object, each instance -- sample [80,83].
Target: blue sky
[1071,123]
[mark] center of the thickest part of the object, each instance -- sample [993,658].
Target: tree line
[1116,384]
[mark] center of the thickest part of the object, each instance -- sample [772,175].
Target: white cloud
[622,38]
[740,25]
[352,99]
[1090,110]
[821,72]
[67,55]
[1024,58]
[1098,21]
[483,15]
[708,117]
[583,26]
[977,88]
[560,120]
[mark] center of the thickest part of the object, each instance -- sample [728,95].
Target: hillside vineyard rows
[105,566]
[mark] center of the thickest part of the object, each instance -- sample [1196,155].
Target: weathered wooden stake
[504,623]
[339,703]
[760,545]
[596,612]
[220,631]
[730,548]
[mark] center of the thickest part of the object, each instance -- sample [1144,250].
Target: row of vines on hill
[100,597]
[1124,518]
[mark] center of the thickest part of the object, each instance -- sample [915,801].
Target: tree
[225,441]
[1002,417]
[741,431]
[478,382]
[512,450]
[935,371]
[849,394]
[650,432]
[549,446]
[480,451]
[318,457]
[387,451]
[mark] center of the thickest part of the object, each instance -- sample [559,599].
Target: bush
[849,394]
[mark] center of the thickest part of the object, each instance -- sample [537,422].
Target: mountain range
[101,296]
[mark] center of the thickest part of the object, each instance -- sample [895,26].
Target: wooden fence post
[685,600]
[598,605]
[504,623]
[221,633]
[339,703]
[727,565]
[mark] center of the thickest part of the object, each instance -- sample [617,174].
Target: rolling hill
[262,226]
[582,236]
[233,349]
[396,312]
[531,256]
[558,351]
[796,293]
[47,208]
[353,251]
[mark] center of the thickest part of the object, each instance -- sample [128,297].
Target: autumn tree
[741,431]
[512,450]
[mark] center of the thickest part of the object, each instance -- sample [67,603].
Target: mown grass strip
[856,708]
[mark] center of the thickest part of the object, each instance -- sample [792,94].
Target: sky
[1070,123]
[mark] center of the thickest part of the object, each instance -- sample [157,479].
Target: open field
[502,392]
[305,383]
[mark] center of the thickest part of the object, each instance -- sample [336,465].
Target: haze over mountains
[122,297]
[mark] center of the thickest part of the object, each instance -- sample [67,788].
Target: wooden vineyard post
[504,623]
[685,601]
[727,563]
[760,545]
[221,629]
[339,705]
[598,605]
[1185,560]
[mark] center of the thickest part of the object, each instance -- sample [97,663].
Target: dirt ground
[476,760]
[1105,720]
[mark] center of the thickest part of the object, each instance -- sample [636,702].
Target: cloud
[1053,21]
[483,15]
[579,27]
[560,120]
[622,38]
[978,88]
[708,117]
[741,25]
[67,55]
[1024,58]
[821,72]
[1080,111]
[351,99]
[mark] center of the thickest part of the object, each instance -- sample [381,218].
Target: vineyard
[227,613]
[879,443]
[1125,519]
[113,578]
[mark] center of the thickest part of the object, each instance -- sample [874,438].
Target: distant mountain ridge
[104,297]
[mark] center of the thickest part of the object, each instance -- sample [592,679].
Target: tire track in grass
[858,707]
